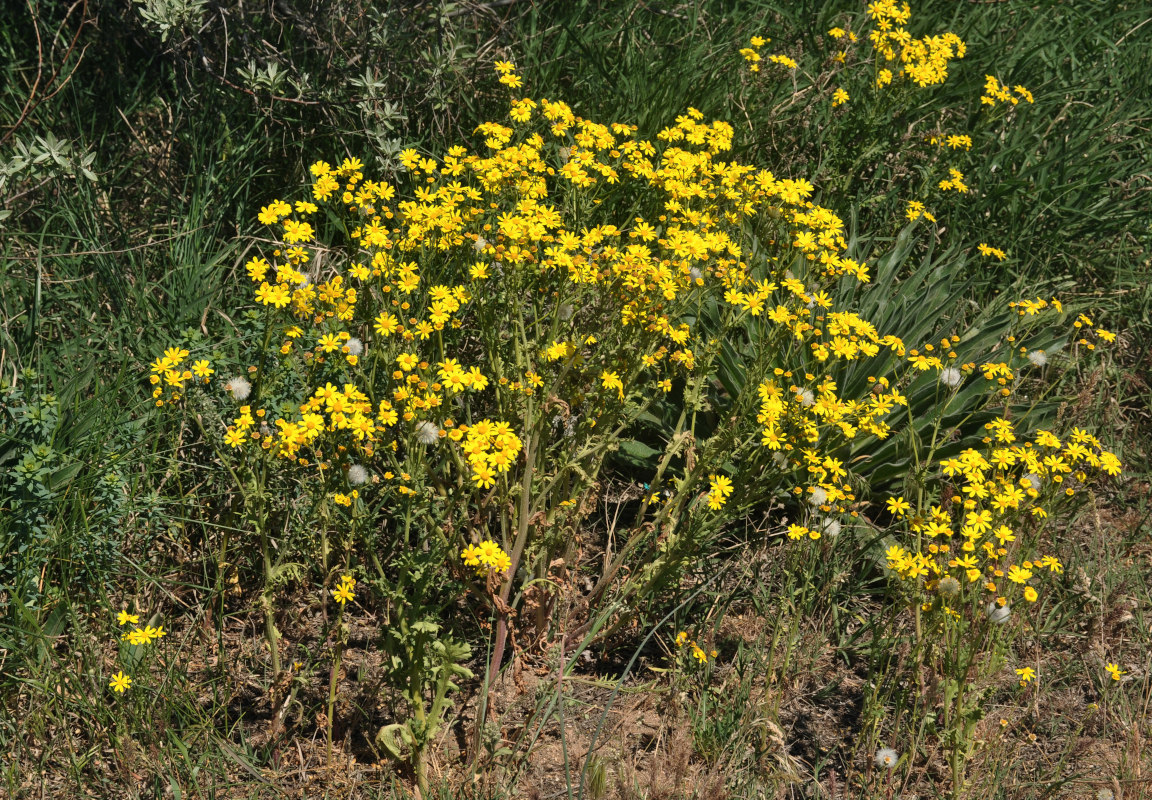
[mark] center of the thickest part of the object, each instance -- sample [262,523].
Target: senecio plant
[440,369]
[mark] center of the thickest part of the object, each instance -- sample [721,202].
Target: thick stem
[271,634]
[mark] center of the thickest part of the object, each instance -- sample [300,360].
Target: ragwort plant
[437,375]
[963,547]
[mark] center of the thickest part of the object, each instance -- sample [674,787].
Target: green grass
[100,276]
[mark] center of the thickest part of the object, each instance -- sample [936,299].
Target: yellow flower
[1026,674]
[839,97]
[120,682]
[611,380]
[898,505]
[1030,594]
[343,593]
[721,488]
[123,618]
[1115,671]
[1018,574]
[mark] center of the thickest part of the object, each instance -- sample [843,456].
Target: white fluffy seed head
[998,614]
[819,497]
[951,377]
[354,347]
[949,586]
[806,397]
[829,526]
[238,387]
[427,433]
[357,475]
[1038,358]
[886,758]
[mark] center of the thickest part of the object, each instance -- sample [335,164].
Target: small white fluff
[829,526]
[998,614]
[1033,480]
[819,497]
[566,311]
[886,758]
[951,377]
[949,586]
[357,475]
[427,433]
[354,346]
[695,274]
[806,397]
[481,243]
[1038,358]
[238,387]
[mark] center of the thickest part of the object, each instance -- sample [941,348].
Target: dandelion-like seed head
[806,397]
[238,387]
[1038,358]
[481,243]
[566,311]
[819,497]
[949,586]
[354,347]
[357,475]
[1033,480]
[427,433]
[886,758]
[998,614]
[829,526]
[695,273]
[951,377]
[1105,794]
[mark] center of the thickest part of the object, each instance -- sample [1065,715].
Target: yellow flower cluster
[490,447]
[170,374]
[996,92]
[145,635]
[719,490]
[924,61]
[697,651]
[954,182]
[137,636]
[988,250]
[916,209]
[486,556]
[993,494]
[752,55]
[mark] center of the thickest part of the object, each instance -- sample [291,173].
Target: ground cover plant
[508,416]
